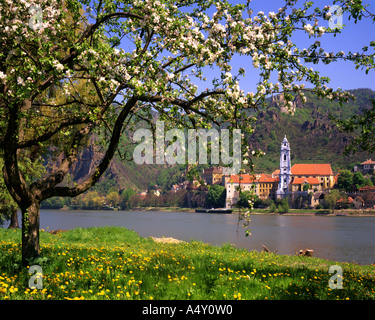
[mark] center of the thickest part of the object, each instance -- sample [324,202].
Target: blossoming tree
[73,68]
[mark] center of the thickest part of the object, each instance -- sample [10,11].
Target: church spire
[285,169]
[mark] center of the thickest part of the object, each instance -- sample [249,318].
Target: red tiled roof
[213,170]
[243,178]
[311,181]
[317,169]
[366,188]
[249,178]
[342,200]
[267,178]
[359,198]
[368,161]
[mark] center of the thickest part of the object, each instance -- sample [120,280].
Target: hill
[312,136]
[124,173]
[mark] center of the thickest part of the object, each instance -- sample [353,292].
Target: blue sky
[342,73]
[352,38]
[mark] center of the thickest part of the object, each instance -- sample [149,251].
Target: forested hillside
[312,136]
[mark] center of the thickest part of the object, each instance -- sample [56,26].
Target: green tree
[358,180]
[53,203]
[368,182]
[330,199]
[92,200]
[89,72]
[283,207]
[306,187]
[345,180]
[113,199]
[216,196]
[272,207]
[125,196]
[262,203]
[245,198]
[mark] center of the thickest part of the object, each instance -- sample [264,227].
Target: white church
[285,175]
[288,181]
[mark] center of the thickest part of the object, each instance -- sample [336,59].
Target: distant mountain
[121,174]
[125,173]
[312,136]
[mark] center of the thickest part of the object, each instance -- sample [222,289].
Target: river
[338,238]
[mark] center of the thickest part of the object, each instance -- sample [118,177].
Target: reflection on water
[335,238]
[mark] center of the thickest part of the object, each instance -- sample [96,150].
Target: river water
[339,238]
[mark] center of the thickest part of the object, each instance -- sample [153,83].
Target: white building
[246,182]
[285,174]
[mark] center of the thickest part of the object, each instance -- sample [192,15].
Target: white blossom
[321,30]
[58,65]
[170,76]
[20,81]
[309,29]
[272,15]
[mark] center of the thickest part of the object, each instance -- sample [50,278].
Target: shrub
[272,207]
[283,207]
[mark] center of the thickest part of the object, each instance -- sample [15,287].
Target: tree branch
[91,28]
[47,135]
[101,168]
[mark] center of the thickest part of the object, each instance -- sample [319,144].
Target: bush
[283,207]
[53,203]
[215,197]
[272,207]
[125,197]
[245,197]
[260,203]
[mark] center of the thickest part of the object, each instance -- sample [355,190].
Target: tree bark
[14,219]
[30,233]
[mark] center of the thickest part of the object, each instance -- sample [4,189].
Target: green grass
[115,263]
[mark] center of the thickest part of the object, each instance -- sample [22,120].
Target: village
[300,185]
[303,185]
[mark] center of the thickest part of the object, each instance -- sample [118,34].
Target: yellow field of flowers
[115,263]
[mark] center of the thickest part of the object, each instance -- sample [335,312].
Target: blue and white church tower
[285,175]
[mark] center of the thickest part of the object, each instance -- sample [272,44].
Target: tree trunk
[30,233]
[14,219]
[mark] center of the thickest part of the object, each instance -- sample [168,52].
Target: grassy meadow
[115,263]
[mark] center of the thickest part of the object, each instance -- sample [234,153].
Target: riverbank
[307,212]
[320,212]
[299,212]
[115,263]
